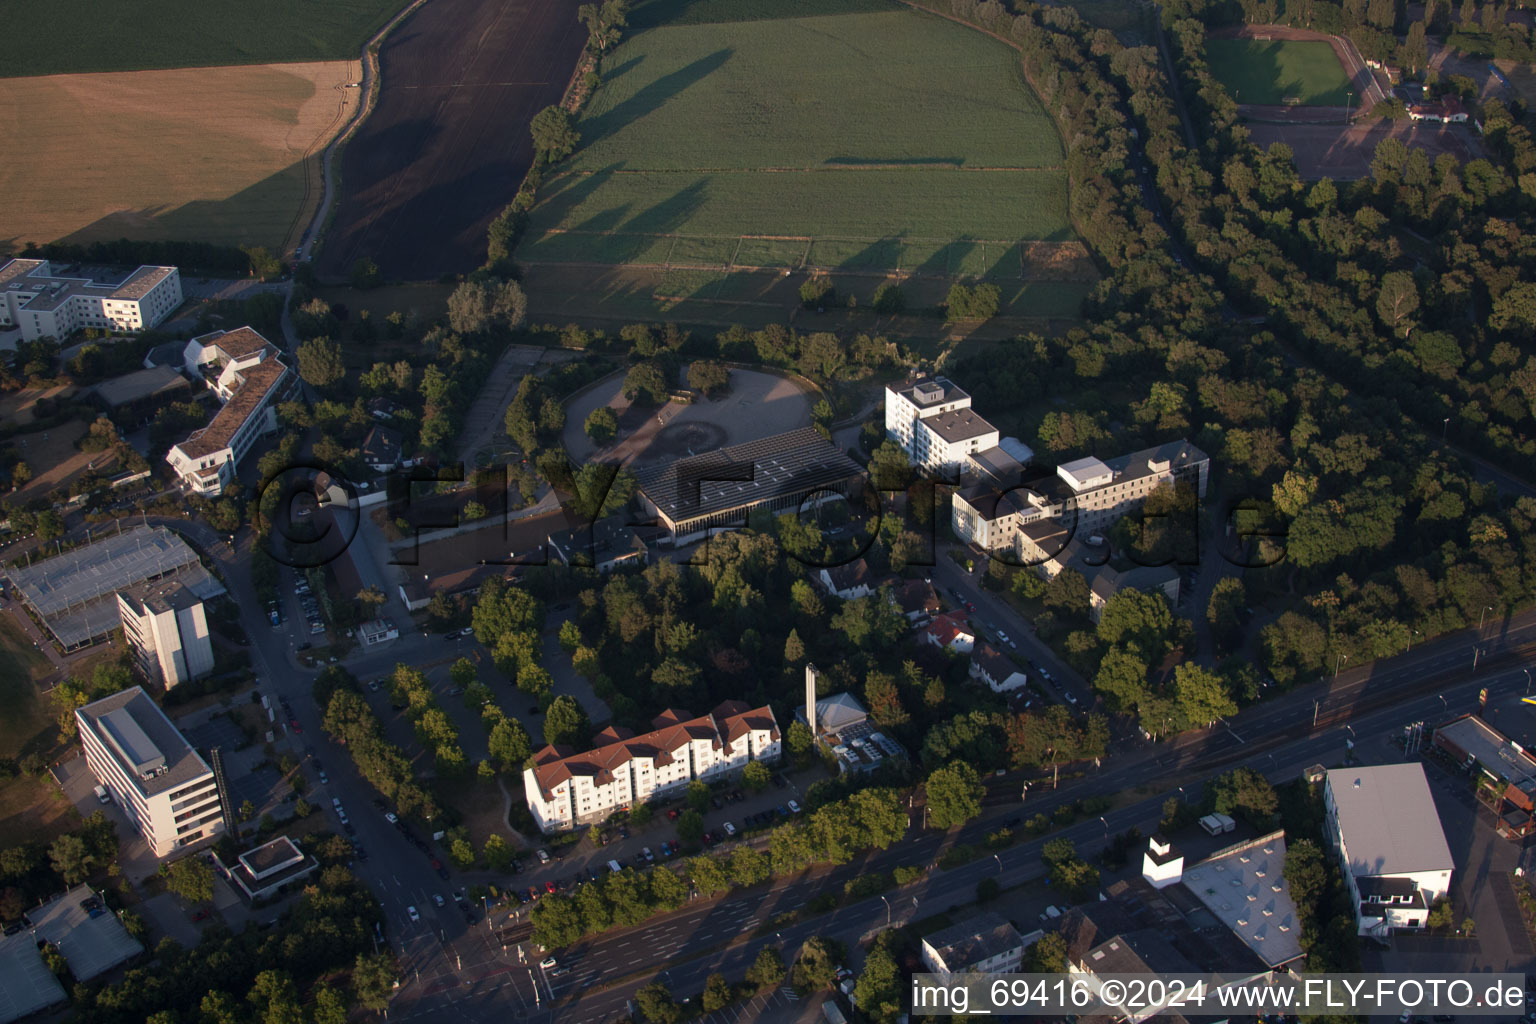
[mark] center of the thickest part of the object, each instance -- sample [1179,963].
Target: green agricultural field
[851,135]
[1279,71]
[73,36]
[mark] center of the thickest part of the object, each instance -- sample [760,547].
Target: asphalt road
[450,968]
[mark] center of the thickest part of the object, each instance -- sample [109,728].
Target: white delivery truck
[1216,824]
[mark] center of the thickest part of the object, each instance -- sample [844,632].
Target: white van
[102,795]
[613,866]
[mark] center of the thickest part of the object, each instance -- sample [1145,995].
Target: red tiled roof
[946,628]
[674,728]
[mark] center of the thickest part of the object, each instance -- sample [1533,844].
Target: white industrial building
[244,370]
[167,630]
[159,781]
[48,303]
[566,789]
[1383,824]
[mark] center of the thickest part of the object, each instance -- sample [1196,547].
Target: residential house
[848,581]
[951,631]
[995,669]
[981,944]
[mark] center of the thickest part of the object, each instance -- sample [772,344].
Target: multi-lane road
[452,968]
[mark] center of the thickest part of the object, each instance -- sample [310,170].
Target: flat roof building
[167,630]
[1383,824]
[155,385]
[842,728]
[92,941]
[26,984]
[48,302]
[264,870]
[717,490]
[75,593]
[1506,771]
[161,783]
[931,419]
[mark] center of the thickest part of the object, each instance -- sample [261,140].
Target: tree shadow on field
[669,214]
[622,69]
[652,96]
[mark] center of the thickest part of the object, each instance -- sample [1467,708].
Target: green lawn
[71,36]
[1279,71]
[863,135]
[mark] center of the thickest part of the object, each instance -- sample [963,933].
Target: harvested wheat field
[225,155]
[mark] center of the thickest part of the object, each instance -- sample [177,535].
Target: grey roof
[998,465]
[950,392]
[1179,455]
[1489,747]
[140,385]
[992,504]
[958,425]
[158,596]
[1388,820]
[91,945]
[110,564]
[271,855]
[165,354]
[838,712]
[978,938]
[1142,577]
[1244,886]
[26,983]
[745,475]
[151,740]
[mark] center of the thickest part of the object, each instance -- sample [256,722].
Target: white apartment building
[566,789]
[167,630]
[1086,495]
[982,944]
[43,302]
[1383,824]
[159,781]
[244,370]
[933,422]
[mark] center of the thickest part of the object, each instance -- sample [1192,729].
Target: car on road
[730,829]
[559,971]
[543,856]
[437,899]
[391,817]
[794,808]
[411,913]
[324,778]
[458,897]
[1071,699]
[373,685]
[549,962]
[442,872]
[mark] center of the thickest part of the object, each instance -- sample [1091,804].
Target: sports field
[1279,71]
[72,36]
[224,155]
[862,137]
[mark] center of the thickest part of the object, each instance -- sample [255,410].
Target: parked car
[794,808]
[390,817]
[730,829]
[650,858]
[437,899]
[543,856]
[411,912]
[548,962]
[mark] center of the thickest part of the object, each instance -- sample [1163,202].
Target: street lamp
[1527,682]
[1337,662]
[1105,823]
[1483,615]
[887,910]
[999,863]
[1444,707]
[1444,428]
[1410,639]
